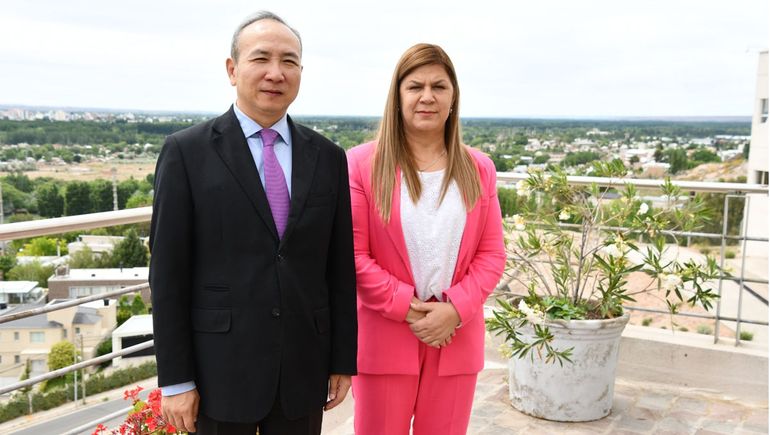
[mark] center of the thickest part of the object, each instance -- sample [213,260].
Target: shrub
[19,405]
[729,255]
[705,329]
[33,271]
[647,321]
[747,336]
[104,348]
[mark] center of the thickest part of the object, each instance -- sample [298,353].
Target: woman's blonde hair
[392,151]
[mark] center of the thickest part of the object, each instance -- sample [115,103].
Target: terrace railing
[38,228]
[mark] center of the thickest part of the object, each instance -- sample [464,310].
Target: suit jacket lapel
[394,229]
[471,234]
[232,148]
[304,156]
[469,240]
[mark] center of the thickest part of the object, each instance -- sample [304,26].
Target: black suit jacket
[235,309]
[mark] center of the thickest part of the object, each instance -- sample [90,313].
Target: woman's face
[426,97]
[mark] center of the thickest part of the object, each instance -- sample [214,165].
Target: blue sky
[546,58]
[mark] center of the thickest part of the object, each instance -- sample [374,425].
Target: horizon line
[6,106]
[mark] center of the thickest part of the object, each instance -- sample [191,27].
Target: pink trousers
[440,405]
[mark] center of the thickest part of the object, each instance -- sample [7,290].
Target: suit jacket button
[280,258]
[276,313]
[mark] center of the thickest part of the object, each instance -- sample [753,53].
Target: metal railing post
[721,268]
[743,270]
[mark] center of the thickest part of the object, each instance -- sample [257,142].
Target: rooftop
[126,273]
[14,287]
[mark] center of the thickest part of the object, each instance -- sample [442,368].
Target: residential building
[31,338]
[75,283]
[95,243]
[759,163]
[19,292]
[137,329]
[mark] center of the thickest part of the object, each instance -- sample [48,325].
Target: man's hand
[338,389]
[438,326]
[181,410]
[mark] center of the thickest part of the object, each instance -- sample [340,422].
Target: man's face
[268,71]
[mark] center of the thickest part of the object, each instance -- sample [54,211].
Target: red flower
[154,401]
[132,394]
[145,418]
[152,423]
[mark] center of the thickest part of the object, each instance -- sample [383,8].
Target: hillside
[723,171]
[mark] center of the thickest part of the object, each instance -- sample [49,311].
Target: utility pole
[114,189]
[2,218]
[83,377]
[75,361]
[2,212]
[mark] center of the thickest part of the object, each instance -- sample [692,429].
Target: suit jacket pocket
[204,320]
[319,200]
[216,287]
[322,321]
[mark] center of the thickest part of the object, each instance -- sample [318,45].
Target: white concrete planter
[574,392]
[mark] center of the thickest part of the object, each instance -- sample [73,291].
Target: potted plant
[573,248]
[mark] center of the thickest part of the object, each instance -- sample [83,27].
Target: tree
[7,262]
[101,195]
[126,189]
[123,311]
[139,199]
[86,258]
[33,271]
[138,306]
[705,156]
[677,158]
[501,164]
[633,159]
[16,200]
[50,201]
[658,155]
[77,198]
[20,181]
[44,246]
[130,252]
[509,201]
[580,158]
[62,354]
[520,139]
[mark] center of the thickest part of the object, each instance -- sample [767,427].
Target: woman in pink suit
[429,249]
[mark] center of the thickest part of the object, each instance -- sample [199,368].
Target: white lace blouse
[432,232]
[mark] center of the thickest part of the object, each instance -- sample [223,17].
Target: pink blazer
[384,280]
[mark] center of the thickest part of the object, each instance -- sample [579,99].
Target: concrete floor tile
[626,422]
[691,404]
[656,401]
[756,420]
[716,426]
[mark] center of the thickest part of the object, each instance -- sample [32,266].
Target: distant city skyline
[550,59]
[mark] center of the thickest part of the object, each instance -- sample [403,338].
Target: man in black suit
[252,272]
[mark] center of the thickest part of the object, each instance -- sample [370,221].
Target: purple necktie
[275,181]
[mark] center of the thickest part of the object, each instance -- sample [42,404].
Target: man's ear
[230,66]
